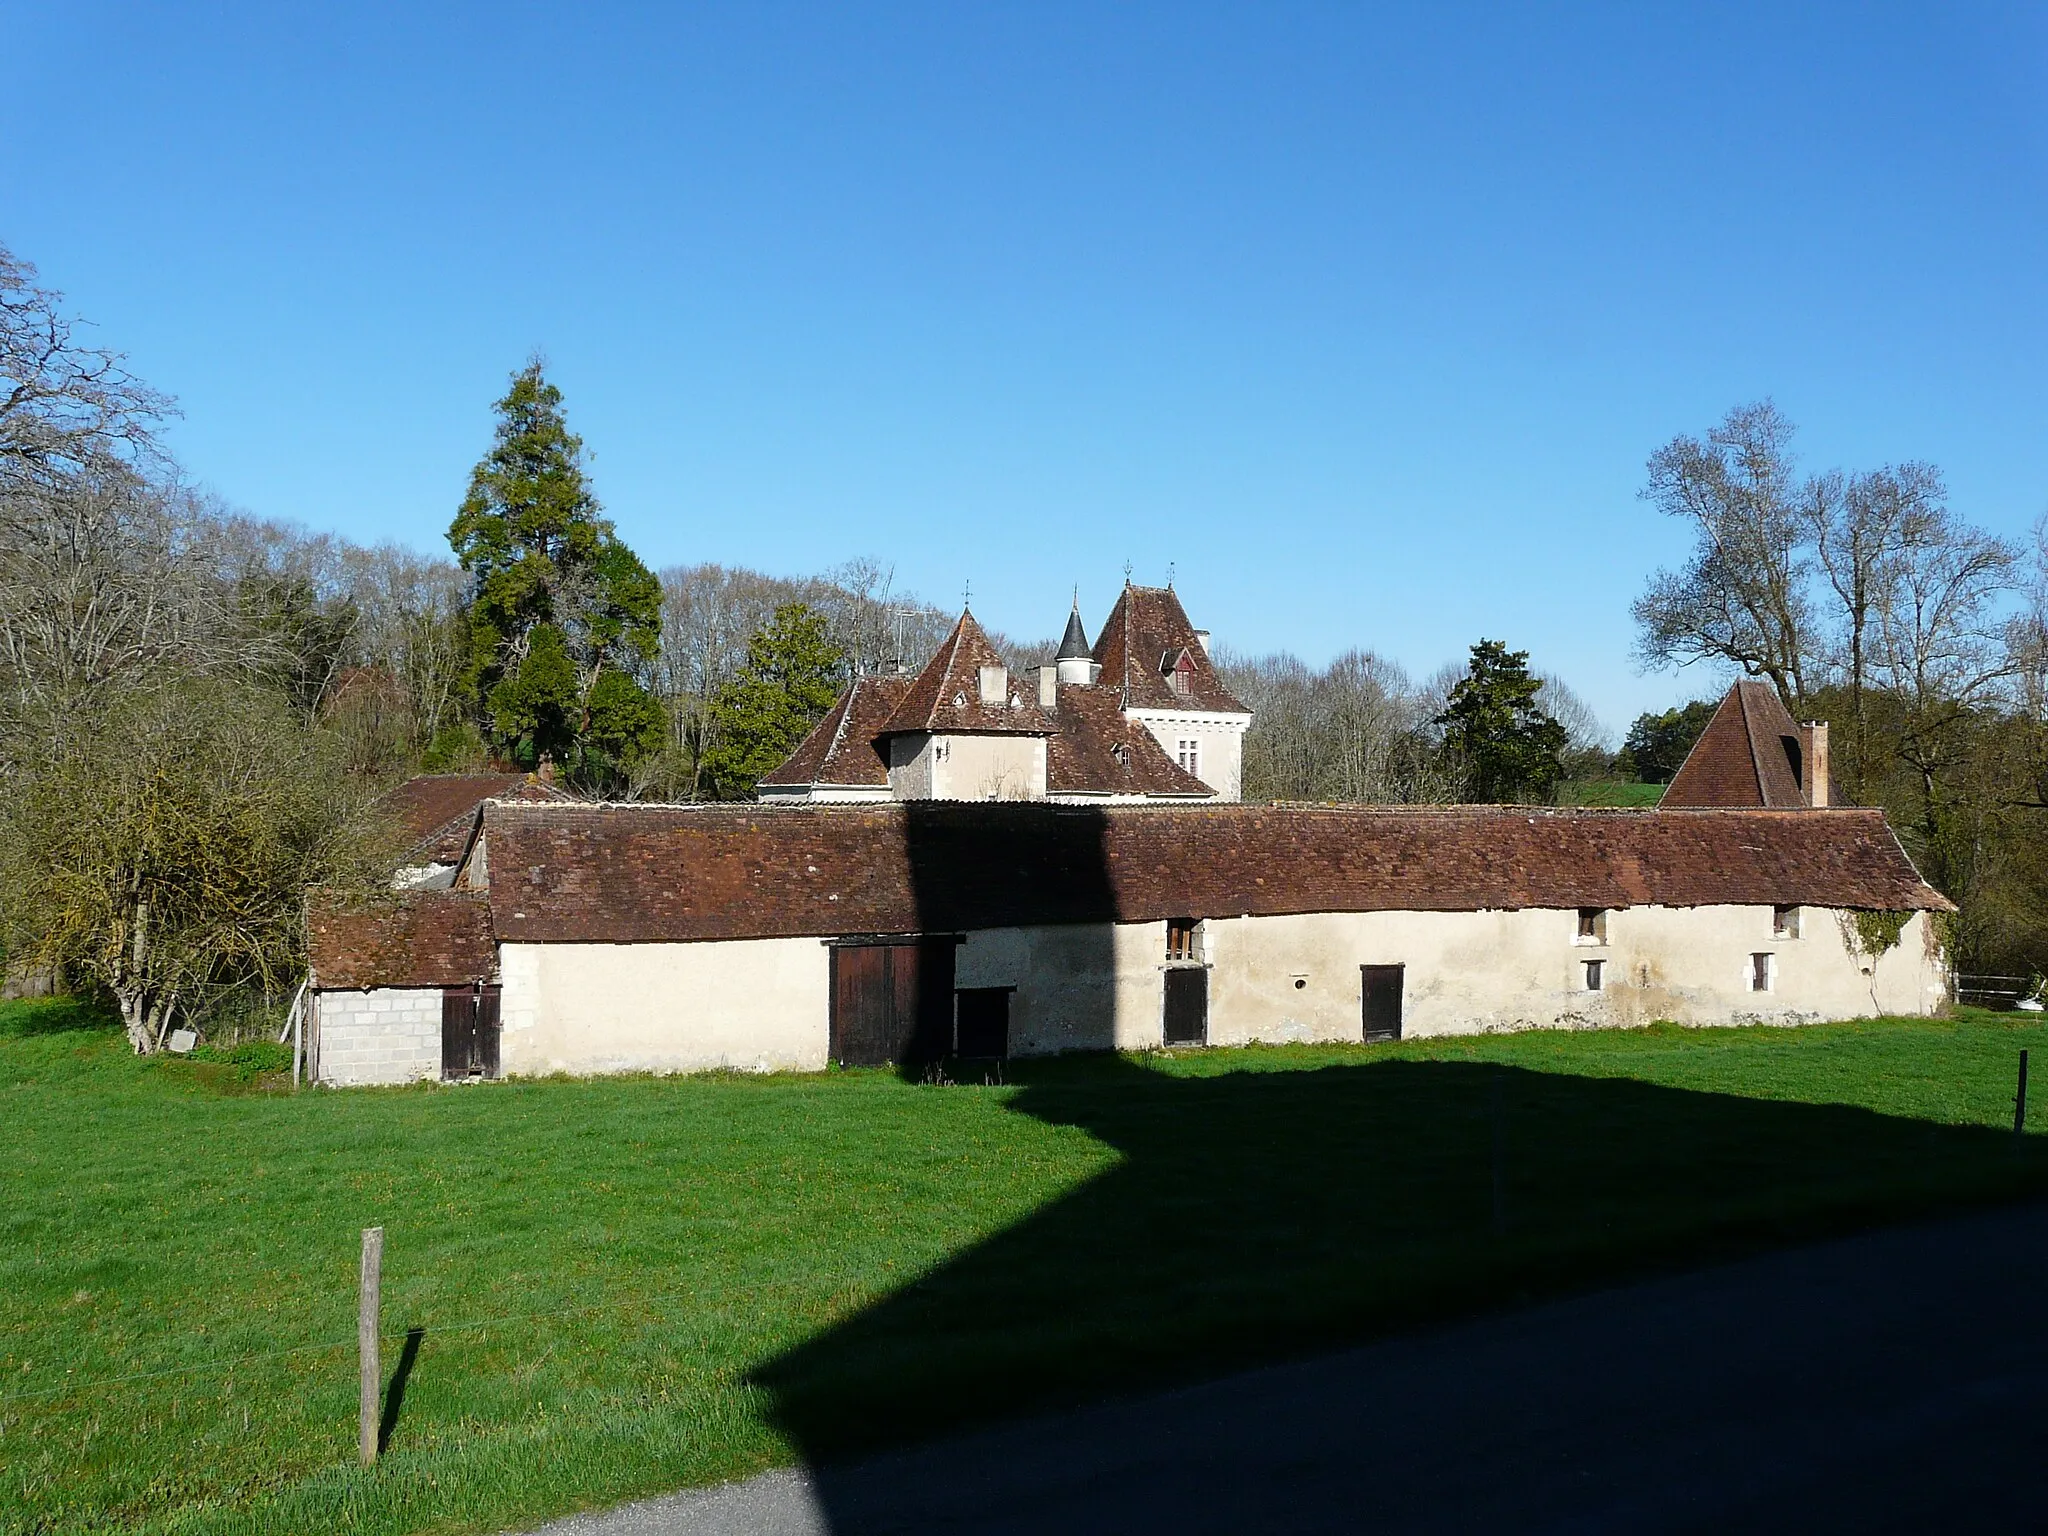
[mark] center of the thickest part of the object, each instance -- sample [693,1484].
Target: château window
[1760,969]
[1596,975]
[1181,936]
[1784,922]
[1188,753]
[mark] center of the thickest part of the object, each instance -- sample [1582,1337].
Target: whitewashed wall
[1221,739]
[1094,986]
[763,1004]
[753,1005]
[387,1035]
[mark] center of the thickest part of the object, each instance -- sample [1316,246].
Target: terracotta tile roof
[1099,751]
[1145,636]
[946,695]
[1748,756]
[621,874]
[434,810]
[423,939]
[841,750]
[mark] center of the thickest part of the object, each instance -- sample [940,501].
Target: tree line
[1865,599]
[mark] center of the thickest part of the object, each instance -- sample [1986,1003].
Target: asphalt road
[1892,1382]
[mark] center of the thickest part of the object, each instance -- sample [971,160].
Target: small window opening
[1784,922]
[1188,753]
[1760,972]
[1181,935]
[1596,975]
[1592,925]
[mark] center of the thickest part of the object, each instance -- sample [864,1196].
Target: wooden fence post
[2019,1102]
[368,1313]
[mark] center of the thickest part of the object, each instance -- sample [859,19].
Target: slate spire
[1074,644]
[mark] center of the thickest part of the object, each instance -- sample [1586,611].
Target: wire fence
[1995,991]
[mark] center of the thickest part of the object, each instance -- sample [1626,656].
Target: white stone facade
[750,1005]
[957,766]
[763,1004]
[1218,744]
[384,1036]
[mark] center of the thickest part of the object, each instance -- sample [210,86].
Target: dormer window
[1179,669]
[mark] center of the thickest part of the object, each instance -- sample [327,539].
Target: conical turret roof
[1074,644]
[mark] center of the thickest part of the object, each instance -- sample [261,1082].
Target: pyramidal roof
[1142,644]
[1074,643]
[841,749]
[1748,756]
[946,695]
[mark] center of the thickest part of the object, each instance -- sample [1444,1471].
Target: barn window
[1596,974]
[1182,934]
[1784,922]
[1592,925]
[1760,969]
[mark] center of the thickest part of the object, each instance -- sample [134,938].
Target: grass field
[1609,792]
[635,1284]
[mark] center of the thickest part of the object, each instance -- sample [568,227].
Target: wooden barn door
[1381,990]
[891,1002]
[469,1032]
[1187,1006]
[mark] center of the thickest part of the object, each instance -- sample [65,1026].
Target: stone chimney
[1048,686]
[1813,762]
[995,685]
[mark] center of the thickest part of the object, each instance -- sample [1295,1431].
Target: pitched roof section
[1145,634]
[421,940]
[434,810]
[841,749]
[946,695]
[1748,756]
[1100,751]
[625,874]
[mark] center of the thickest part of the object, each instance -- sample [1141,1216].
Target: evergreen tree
[1657,744]
[564,619]
[1496,734]
[792,674]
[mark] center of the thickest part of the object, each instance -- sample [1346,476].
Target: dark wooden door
[485,1058]
[469,1032]
[1381,988]
[891,1002]
[982,1026]
[458,1030]
[1187,1006]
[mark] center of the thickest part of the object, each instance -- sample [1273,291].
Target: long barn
[614,938]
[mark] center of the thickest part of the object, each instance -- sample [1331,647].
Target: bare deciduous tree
[158,844]
[1741,597]
[63,404]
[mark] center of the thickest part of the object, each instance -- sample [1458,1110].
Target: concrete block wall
[383,1036]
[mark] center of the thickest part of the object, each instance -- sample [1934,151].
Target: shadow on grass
[1263,1215]
[55,1016]
[394,1390]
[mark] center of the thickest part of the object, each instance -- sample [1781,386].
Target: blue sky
[1365,319]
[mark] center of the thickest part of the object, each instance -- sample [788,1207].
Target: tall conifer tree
[564,619]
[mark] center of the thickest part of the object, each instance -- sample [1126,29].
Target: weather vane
[967,595]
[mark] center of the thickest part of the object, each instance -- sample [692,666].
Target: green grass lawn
[1609,792]
[636,1284]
